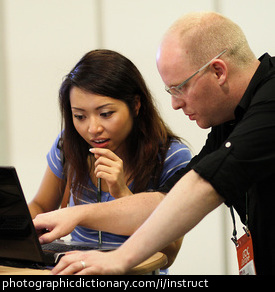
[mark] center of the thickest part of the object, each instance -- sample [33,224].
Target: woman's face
[103,122]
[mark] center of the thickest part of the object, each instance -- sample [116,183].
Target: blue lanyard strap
[99,200]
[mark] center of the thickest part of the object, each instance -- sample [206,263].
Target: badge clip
[235,240]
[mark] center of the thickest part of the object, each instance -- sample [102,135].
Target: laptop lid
[18,238]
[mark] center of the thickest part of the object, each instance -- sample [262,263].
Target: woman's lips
[100,143]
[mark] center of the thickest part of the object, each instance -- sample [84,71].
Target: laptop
[19,244]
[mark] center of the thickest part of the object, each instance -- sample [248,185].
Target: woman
[113,136]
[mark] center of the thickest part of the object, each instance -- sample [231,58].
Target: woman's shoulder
[177,156]
[178,148]
[55,158]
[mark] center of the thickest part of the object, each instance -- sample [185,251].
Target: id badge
[245,255]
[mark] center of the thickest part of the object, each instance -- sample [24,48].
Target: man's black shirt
[239,158]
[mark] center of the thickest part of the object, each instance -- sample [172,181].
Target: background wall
[41,40]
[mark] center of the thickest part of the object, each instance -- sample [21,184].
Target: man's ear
[220,70]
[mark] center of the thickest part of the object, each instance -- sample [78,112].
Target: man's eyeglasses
[176,90]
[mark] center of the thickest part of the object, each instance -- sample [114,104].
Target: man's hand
[90,263]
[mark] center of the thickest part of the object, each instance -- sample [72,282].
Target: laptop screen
[17,234]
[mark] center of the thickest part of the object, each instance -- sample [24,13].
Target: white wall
[43,39]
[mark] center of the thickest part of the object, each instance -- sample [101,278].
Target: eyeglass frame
[178,87]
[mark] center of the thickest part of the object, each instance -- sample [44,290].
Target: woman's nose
[94,126]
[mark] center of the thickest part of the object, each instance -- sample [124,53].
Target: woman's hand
[109,167]
[56,224]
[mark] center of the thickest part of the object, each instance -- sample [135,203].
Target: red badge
[245,254]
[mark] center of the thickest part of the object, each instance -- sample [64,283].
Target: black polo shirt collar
[262,74]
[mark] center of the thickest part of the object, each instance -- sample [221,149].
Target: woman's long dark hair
[108,73]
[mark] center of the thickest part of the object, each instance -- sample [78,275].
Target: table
[150,266]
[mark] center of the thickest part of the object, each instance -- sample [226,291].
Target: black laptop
[19,244]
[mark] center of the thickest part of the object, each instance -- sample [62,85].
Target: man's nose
[177,102]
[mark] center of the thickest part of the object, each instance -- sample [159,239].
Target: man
[213,76]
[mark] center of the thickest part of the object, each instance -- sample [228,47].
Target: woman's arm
[122,216]
[49,194]
[188,202]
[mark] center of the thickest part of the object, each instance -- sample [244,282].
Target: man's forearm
[190,200]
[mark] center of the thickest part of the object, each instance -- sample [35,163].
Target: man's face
[202,98]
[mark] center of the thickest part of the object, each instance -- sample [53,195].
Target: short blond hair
[206,34]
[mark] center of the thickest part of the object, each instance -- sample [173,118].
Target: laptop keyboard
[52,250]
[57,247]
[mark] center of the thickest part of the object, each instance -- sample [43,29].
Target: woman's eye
[106,114]
[79,117]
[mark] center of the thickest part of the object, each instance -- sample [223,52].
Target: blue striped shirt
[177,156]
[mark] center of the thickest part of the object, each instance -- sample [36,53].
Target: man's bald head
[203,35]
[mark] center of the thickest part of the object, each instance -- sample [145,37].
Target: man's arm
[191,199]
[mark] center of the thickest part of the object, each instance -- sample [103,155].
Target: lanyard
[244,246]
[245,228]
[99,200]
